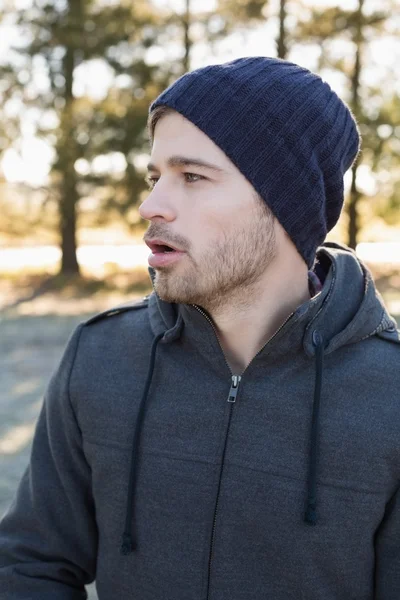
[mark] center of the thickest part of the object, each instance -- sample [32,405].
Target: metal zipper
[215,331]
[231,399]
[270,339]
[216,335]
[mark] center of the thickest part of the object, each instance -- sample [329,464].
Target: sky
[32,162]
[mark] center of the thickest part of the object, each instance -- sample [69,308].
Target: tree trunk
[67,155]
[187,42]
[282,47]
[353,228]
[68,219]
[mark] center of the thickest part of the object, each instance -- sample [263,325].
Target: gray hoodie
[164,476]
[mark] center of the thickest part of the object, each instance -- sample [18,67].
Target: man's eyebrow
[184,161]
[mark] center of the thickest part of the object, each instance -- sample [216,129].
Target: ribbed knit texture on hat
[284,128]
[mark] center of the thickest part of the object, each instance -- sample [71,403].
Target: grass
[27,287]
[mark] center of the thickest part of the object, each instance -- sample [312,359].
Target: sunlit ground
[16,438]
[94,257]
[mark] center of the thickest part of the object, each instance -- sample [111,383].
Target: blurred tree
[241,12]
[61,37]
[70,29]
[214,25]
[282,38]
[375,109]
[355,194]
[187,41]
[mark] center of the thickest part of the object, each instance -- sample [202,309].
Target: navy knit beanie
[284,128]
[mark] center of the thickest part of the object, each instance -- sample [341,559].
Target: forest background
[77,77]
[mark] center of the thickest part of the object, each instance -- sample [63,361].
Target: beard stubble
[228,271]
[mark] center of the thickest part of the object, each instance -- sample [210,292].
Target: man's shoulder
[386,349]
[380,360]
[115,332]
[390,335]
[132,305]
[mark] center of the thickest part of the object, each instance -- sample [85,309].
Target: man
[236,434]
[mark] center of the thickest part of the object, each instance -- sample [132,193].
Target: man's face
[210,212]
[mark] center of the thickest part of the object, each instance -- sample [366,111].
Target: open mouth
[163,255]
[157,248]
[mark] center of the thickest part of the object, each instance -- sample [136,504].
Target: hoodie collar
[347,309]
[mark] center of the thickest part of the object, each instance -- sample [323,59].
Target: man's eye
[189,178]
[151,181]
[192,177]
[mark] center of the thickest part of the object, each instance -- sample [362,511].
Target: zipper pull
[234,388]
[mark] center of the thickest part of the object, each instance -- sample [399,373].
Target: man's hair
[161,111]
[154,117]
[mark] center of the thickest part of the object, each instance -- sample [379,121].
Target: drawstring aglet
[310,516]
[127,544]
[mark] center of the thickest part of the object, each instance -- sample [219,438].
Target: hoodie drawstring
[128,545]
[310,514]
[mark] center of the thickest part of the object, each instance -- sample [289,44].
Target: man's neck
[245,328]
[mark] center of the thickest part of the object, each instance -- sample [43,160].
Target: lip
[164,259]
[153,243]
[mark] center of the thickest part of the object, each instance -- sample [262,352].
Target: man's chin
[168,292]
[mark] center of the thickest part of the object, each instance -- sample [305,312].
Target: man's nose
[157,204]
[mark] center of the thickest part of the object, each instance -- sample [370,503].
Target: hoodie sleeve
[387,552]
[48,536]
